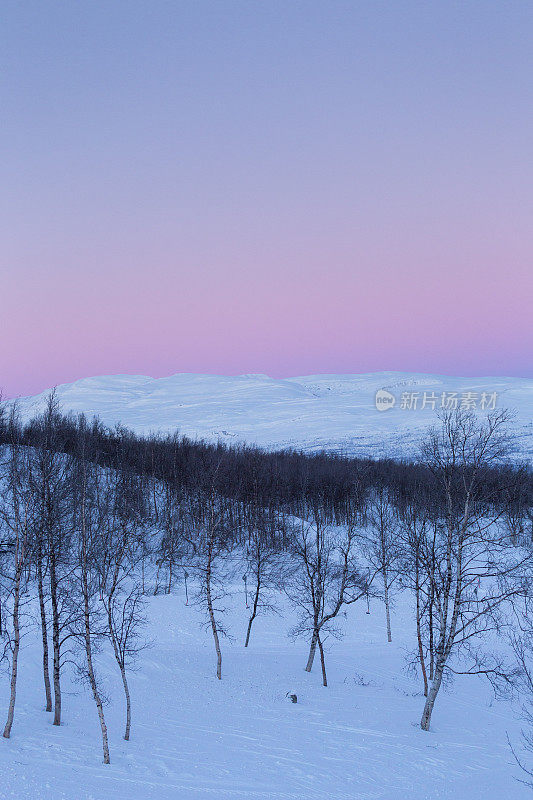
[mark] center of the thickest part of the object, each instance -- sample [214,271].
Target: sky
[265,186]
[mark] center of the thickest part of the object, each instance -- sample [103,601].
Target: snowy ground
[195,738]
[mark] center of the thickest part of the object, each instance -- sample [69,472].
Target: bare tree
[121,589]
[478,571]
[16,512]
[327,579]
[211,549]
[51,481]
[266,566]
[41,569]
[380,544]
[86,494]
[124,607]
[417,531]
[171,550]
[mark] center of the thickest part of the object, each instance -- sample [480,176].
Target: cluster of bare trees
[71,543]
[92,521]
[469,574]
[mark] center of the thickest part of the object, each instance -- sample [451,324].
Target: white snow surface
[331,412]
[197,738]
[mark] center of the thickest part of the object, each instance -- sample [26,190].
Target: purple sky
[280,187]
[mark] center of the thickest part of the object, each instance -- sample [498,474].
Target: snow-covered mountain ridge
[333,412]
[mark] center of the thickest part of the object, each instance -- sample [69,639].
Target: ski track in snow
[195,738]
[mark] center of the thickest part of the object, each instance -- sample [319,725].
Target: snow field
[194,737]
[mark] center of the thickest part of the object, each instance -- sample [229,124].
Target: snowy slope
[335,412]
[196,738]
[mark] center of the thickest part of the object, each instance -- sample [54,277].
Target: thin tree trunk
[431,641]
[432,696]
[128,702]
[170,572]
[420,645]
[254,611]
[14,662]
[44,632]
[212,619]
[322,661]
[87,624]
[249,630]
[418,627]
[156,587]
[387,608]
[312,651]
[92,678]
[55,642]
[120,661]
[154,494]
[430,615]
[446,637]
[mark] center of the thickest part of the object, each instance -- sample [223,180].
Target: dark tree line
[290,481]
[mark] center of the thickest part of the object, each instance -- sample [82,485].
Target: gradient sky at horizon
[279,187]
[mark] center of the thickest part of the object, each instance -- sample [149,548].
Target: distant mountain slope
[333,412]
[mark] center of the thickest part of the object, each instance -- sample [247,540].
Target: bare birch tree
[121,552]
[381,546]
[51,482]
[327,579]
[417,534]
[210,562]
[266,567]
[16,510]
[85,491]
[479,572]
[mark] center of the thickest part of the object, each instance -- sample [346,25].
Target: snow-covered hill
[334,412]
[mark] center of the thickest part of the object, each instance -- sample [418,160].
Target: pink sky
[276,189]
